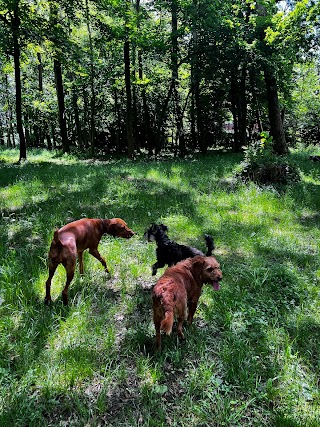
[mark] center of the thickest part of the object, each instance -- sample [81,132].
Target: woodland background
[138,76]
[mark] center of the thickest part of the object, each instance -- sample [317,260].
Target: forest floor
[252,356]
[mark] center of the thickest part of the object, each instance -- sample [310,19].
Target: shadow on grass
[258,294]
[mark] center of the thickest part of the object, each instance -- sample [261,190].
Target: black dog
[169,252]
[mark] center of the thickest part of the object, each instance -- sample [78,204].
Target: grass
[250,359]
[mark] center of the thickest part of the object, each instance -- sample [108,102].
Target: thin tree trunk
[242,108]
[17,74]
[234,110]
[61,106]
[255,101]
[180,137]
[146,113]
[76,117]
[161,118]
[118,121]
[43,124]
[126,53]
[239,107]
[1,133]
[92,77]
[276,125]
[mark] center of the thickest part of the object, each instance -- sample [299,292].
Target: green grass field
[252,356]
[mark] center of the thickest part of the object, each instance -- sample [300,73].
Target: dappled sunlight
[254,344]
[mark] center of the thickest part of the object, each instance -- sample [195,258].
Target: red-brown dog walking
[73,239]
[177,292]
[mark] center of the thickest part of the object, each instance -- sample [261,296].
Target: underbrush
[262,166]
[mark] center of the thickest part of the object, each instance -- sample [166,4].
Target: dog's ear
[197,267]
[164,227]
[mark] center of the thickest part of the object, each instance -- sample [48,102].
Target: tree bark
[92,77]
[146,114]
[239,107]
[76,117]
[17,74]
[61,106]
[126,53]
[276,125]
[180,137]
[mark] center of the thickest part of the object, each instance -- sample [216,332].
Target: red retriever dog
[179,289]
[73,239]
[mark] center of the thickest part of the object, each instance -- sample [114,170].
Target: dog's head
[118,228]
[150,233]
[207,270]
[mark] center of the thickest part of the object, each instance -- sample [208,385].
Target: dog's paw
[181,336]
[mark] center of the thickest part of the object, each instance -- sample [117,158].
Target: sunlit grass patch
[251,358]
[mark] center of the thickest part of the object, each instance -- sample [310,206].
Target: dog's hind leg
[158,336]
[179,328]
[52,269]
[70,266]
[191,310]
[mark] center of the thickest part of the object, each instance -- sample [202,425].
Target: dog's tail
[167,322]
[210,244]
[57,241]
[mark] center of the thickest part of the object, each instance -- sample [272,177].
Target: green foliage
[263,166]
[304,110]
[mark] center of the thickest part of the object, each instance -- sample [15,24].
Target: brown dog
[73,239]
[179,288]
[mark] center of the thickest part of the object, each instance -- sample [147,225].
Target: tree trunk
[92,77]
[126,53]
[234,110]
[42,128]
[242,109]
[61,106]
[17,74]
[180,137]
[118,121]
[276,125]
[76,117]
[1,133]
[239,107]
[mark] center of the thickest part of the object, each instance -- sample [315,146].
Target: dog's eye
[210,269]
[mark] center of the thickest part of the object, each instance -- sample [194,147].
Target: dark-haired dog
[169,252]
[177,292]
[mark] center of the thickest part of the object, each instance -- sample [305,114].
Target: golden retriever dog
[177,292]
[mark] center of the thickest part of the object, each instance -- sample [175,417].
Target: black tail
[210,244]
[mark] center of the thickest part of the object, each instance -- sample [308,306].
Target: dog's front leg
[96,254]
[156,265]
[154,269]
[81,268]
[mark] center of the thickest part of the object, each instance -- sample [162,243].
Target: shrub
[263,166]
